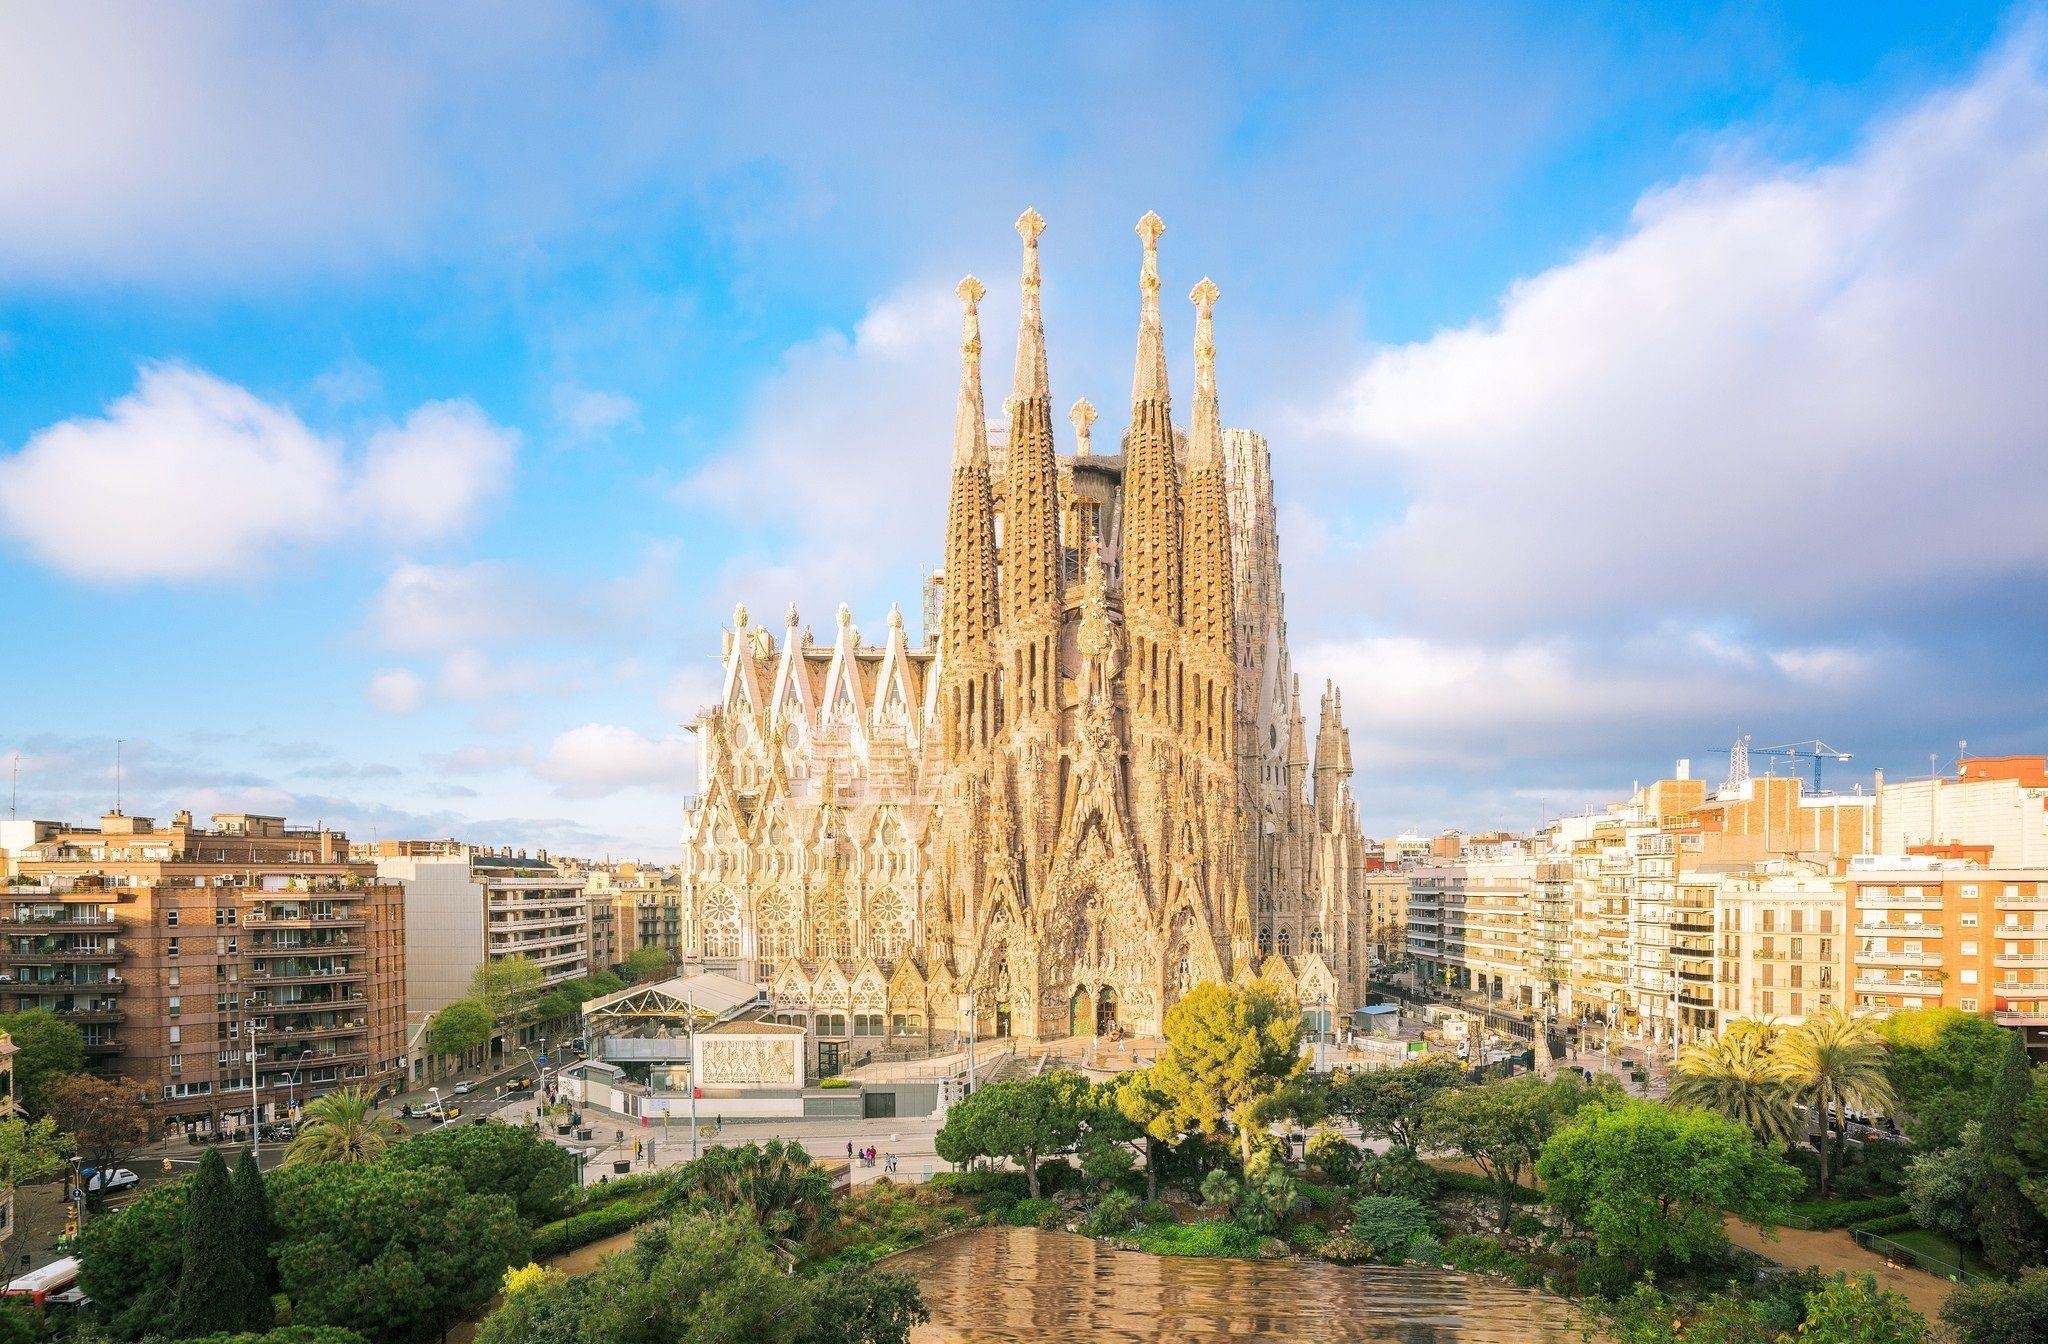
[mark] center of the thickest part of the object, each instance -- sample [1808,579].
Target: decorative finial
[895,617]
[790,619]
[970,292]
[739,616]
[1082,417]
[1030,378]
[970,424]
[1149,380]
[1205,441]
[845,616]
[1149,228]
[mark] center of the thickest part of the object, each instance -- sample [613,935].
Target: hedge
[1898,1222]
[1472,1183]
[1827,1213]
[580,1229]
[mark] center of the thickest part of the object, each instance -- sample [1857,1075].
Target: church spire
[1030,380]
[1032,588]
[1209,593]
[1206,437]
[969,615]
[970,420]
[1148,379]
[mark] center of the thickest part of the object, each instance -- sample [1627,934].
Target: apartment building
[646,906]
[466,904]
[1995,801]
[248,962]
[1941,932]
[1437,953]
[1518,930]
[1386,915]
[1783,942]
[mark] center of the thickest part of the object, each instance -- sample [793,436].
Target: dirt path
[1833,1250]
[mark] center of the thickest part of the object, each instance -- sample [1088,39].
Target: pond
[1007,1283]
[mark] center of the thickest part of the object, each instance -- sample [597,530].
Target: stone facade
[1092,790]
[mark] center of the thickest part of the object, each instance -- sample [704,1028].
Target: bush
[1400,1173]
[1219,1188]
[1334,1158]
[1470,1183]
[1033,1213]
[1898,1222]
[1425,1249]
[1152,1211]
[1827,1213]
[1343,1249]
[580,1229]
[1114,1216]
[1214,1238]
[1308,1236]
[1386,1224]
[829,1084]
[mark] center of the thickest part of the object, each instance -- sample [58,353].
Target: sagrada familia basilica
[1093,791]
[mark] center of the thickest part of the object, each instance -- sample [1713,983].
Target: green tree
[252,1237]
[508,988]
[1940,1188]
[214,1289]
[1942,1063]
[567,999]
[1852,1309]
[341,1127]
[2030,1143]
[29,1151]
[285,1334]
[647,964]
[460,1029]
[1388,1103]
[1023,1119]
[129,1265]
[46,1048]
[1231,1057]
[1502,1127]
[1835,1063]
[510,1160]
[776,1184]
[393,1253]
[1736,1075]
[2000,1313]
[1145,1107]
[865,1306]
[2009,1226]
[108,1119]
[702,1278]
[1386,1225]
[540,1306]
[1652,1184]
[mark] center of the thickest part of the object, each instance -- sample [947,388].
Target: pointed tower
[1209,600]
[969,617]
[1152,514]
[1333,759]
[1032,595]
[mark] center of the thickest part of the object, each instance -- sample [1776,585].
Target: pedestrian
[849,1150]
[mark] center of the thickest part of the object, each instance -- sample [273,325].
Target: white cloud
[191,477]
[601,758]
[591,413]
[848,431]
[431,475]
[425,608]
[397,690]
[1790,392]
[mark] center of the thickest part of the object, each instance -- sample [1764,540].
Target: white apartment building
[1784,942]
[2000,802]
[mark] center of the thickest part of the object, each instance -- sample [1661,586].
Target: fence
[1950,1268]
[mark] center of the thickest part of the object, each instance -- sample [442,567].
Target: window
[171,1005]
[176,1034]
[1797,945]
[1968,1005]
[1969,948]
[867,1024]
[1969,891]
[1968,921]
[170,947]
[831,1024]
[171,918]
[1968,975]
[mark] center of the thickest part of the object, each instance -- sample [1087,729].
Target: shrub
[580,1229]
[1470,1183]
[1033,1213]
[1307,1236]
[1219,1188]
[1425,1249]
[1152,1211]
[1344,1249]
[830,1084]
[1334,1158]
[1826,1213]
[1398,1172]
[1898,1222]
[1214,1238]
[1386,1224]
[1114,1216]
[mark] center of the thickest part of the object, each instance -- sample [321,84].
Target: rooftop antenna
[117,774]
[1738,763]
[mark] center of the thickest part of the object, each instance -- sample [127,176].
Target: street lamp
[291,1083]
[255,1107]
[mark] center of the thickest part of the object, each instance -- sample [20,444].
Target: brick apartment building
[187,955]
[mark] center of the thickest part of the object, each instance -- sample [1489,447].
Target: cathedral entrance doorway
[1002,1020]
[1105,1012]
[1080,1013]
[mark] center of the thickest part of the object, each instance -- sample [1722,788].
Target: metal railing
[1951,1269]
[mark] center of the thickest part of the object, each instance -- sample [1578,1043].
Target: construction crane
[1812,749]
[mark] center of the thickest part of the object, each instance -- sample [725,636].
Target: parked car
[464,1088]
[120,1178]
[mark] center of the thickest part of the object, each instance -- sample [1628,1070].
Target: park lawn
[1939,1249]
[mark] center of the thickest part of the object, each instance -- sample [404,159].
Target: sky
[395,400]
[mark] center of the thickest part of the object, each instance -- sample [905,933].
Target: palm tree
[1835,1063]
[340,1127]
[777,1183]
[1734,1075]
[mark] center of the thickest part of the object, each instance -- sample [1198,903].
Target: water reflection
[1023,1284]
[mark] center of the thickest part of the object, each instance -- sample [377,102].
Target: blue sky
[392,405]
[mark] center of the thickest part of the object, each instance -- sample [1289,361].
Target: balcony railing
[1899,958]
[2005,959]
[1888,984]
[1878,929]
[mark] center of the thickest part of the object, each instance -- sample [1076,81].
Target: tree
[1940,1188]
[1502,1127]
[704,1278]
[1388,1103]
[1023,1119]
[1852,1309]
[459,1029]
[1653,1184]
[129,1265]
[341,1127]
[252,1237]
[108,1118]
[865,1306]
[1385,1226]
[1143,1105]
[2030,1143]
[214,1290]
[540,1306]
[567,999]
[1735,1075]
[1835,1062]
[508,988]
[393,1253]
[2000,1313]
[509,1160]
[2009,1226]
[29,1151]
[788,1196]
[46,1048]
[1941,1063]
[1230,1055]
[648,963]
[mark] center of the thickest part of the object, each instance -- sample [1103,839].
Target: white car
[120,1178]
[463,1089]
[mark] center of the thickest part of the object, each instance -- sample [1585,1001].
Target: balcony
[257,919]
[2019,931]
[1891,984]
[315,1031]
[2021,903]
[1870,900]
[2014,989]
[2005,959]
[55,924]
[1899,958]
[1879,929]
[107,1014]
[306,975]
